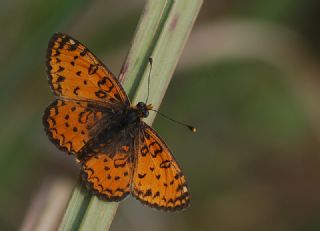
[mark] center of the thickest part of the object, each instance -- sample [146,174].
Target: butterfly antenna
[191,128]
[150,62]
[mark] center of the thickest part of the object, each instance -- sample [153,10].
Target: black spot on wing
[92,68]
[165,164]
[101,94]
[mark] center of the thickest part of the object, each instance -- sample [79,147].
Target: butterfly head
[143,109]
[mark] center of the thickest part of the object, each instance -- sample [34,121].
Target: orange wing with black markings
[158,180]
[75,73]
[108,176]
[68,123]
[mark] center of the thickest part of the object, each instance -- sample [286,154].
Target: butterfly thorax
[128,116]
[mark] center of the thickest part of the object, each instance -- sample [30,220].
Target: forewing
[158,180]
[68,123]
[75,73]
[108,176]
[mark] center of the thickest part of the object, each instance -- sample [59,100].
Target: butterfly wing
[108,176]
[79,80]
[68,123]
[157,179]
[75,73]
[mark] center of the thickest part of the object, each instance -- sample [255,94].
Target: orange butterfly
[93,119]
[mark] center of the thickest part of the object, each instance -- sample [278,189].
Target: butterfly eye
[141,105]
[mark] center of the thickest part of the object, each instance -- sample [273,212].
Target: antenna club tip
[150,60]
[193,129]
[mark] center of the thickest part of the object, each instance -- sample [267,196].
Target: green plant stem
[162,32]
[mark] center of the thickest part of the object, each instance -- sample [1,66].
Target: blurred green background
[248,80]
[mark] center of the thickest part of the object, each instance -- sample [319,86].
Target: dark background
[248,80]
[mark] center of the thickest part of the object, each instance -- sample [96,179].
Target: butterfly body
[133,115]
[117,127]
[92,118]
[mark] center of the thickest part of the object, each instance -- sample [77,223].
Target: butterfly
[92,118]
